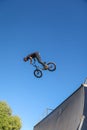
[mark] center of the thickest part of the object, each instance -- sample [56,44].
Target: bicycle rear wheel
[51,66]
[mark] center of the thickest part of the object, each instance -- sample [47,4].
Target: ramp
[84,126]
[70,115]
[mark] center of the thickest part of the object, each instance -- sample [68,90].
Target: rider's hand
[30,61]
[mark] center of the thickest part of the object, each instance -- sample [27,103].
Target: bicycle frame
[38,71]
[37,66]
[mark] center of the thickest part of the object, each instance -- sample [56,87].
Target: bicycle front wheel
[38,73]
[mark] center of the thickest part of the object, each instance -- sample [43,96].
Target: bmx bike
[38,71]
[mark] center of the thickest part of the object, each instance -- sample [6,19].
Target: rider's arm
[30,59]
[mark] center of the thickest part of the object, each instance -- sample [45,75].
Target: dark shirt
[33,55]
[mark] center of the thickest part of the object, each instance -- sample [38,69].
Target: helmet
[25,59]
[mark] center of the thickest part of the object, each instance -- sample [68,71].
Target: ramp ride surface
[84,125]
[70,115]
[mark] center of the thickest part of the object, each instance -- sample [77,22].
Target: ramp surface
[84,126]
[70,115]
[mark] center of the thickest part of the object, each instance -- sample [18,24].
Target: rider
[35,55]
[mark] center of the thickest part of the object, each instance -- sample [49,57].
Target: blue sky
[58,30]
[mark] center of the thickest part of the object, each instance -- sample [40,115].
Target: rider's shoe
[45,67]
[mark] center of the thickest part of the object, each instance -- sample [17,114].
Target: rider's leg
[40,61]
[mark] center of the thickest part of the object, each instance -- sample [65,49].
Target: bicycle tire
[38,73]
[51,66]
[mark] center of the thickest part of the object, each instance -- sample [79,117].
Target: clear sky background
[58,30]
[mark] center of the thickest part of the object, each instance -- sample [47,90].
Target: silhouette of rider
[34,56]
